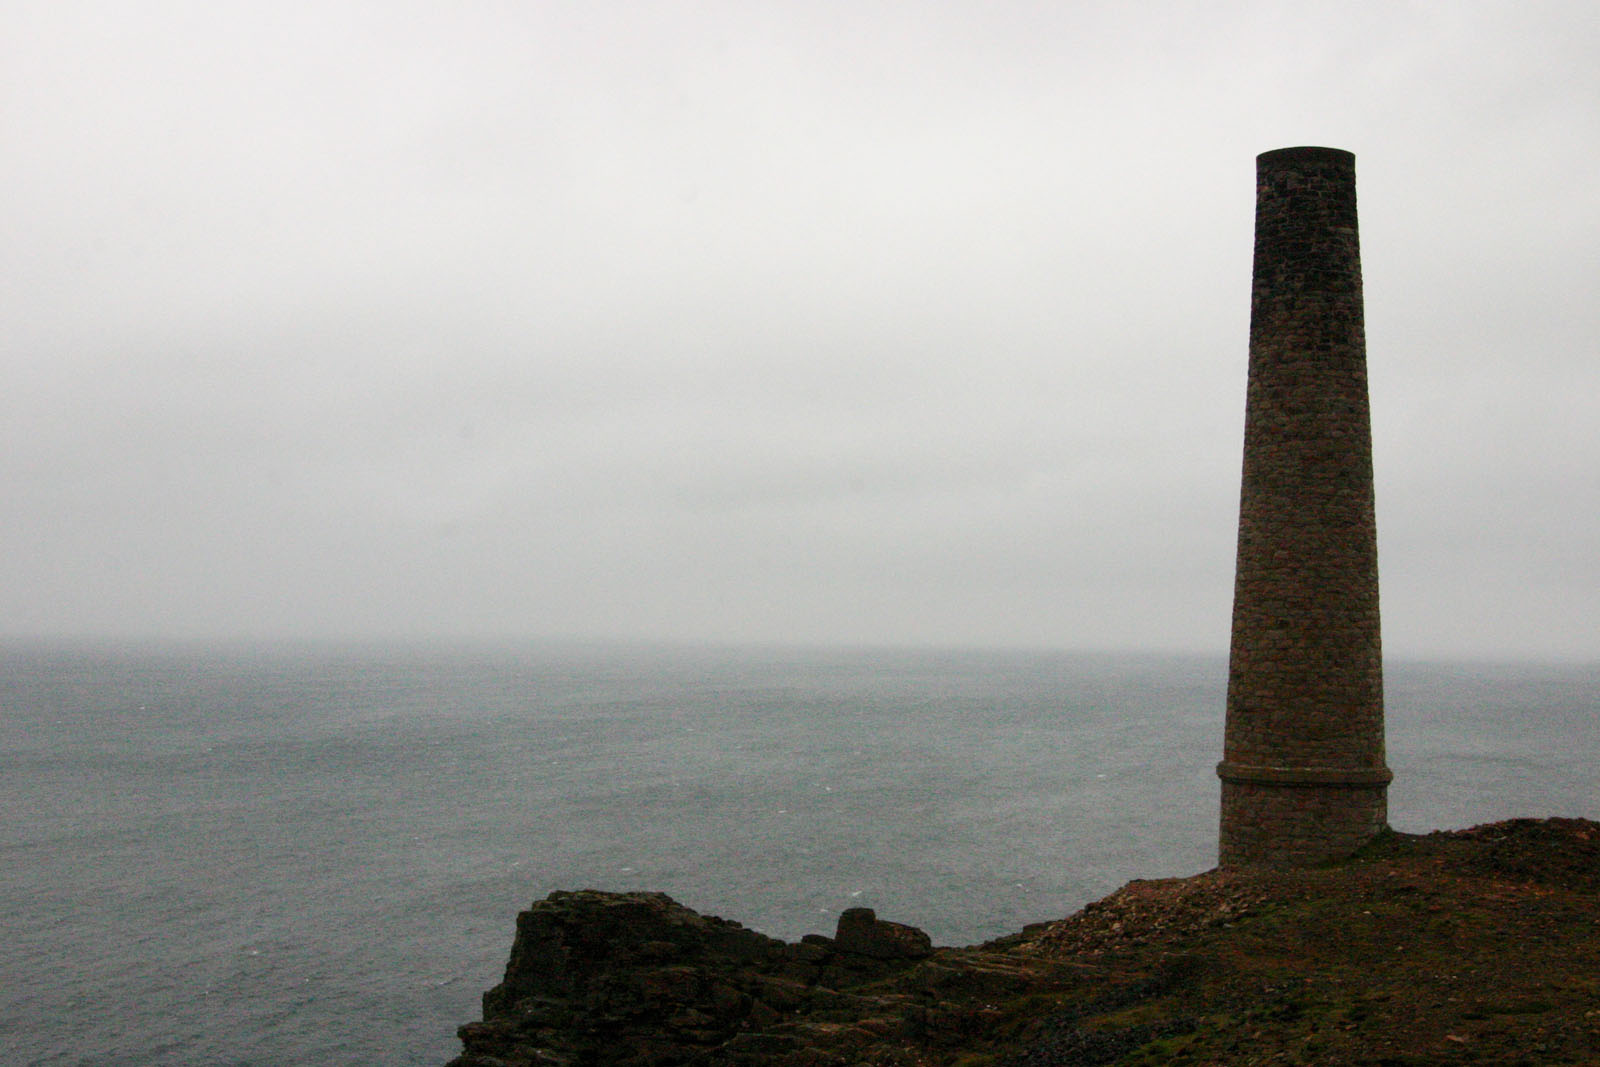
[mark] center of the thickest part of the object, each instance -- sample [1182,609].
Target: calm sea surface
[316,855]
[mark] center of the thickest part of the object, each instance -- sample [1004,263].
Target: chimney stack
[1303,773]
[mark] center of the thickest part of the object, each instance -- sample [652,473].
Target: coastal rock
[637,978]
[862,933]
[1476,943]
[629,977]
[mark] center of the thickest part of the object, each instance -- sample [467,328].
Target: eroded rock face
[862,933]
[574,946]
[636,978]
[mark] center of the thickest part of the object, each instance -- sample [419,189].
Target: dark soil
[1478,945]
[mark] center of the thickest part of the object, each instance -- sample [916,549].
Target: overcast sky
[841,322]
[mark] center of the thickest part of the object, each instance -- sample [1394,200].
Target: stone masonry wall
[1303,765]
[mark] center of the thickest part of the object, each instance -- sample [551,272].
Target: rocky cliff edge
[1478,945]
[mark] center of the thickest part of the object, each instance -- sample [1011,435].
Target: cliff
[1477,945]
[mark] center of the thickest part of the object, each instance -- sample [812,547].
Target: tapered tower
[1303,774]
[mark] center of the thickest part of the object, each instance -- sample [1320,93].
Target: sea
[292,854]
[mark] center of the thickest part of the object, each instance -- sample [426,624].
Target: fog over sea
[315,854]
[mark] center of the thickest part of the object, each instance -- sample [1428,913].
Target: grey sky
[778,321]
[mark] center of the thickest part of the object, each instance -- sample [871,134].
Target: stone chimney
[1303,773]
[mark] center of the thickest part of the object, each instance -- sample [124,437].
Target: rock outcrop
[636,978]
[1476,944]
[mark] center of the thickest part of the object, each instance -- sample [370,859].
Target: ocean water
[316,854]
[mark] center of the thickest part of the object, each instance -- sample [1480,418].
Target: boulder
[862,933]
